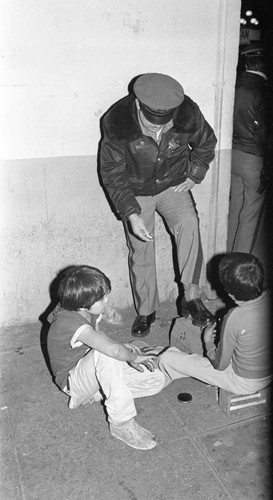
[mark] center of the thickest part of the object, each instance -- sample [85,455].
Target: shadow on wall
[213,274]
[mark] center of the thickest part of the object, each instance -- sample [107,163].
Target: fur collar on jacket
[122,123]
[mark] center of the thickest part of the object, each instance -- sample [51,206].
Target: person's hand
[139,228]
[184,186]
[133,348]
[210,333]
[149,361]
[151,364]
[145,356]
[151,351]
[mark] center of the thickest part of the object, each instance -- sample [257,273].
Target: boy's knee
[101,358]
[167,354]
[166,358]
[159,378]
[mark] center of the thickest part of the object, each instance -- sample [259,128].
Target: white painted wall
[64,63]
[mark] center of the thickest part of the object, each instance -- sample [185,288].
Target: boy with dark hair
[89,365]
[241,362]
[241,276]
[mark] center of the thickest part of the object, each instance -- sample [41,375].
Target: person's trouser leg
[236,198]
[146,383]
[253,203]
[176,364]
[245,202]
[119,383]
[142,263]
[82,382]
[178,211]
[97,371]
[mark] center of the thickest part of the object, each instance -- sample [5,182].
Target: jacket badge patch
[173,145]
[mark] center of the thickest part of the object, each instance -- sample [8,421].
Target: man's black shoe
[141,325]
[197,312]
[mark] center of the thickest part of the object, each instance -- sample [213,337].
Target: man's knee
[187,220]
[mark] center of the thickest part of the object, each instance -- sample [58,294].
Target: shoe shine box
[187,337]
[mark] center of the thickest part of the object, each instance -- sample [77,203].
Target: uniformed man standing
[156,146]
[249,144]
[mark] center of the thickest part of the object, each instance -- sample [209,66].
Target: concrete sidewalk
[51,452]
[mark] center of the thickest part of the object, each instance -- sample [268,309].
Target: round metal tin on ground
[184,397]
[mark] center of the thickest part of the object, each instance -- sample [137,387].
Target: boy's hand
[151,351]
[210,333]
[149,361]
[149,355]
[133,348]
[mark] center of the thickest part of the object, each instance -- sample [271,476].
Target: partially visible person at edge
[241,361]
[249,175]
[156,146]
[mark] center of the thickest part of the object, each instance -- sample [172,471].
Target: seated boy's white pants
[119,383]
[177,364]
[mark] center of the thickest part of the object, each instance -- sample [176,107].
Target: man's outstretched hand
[139,229]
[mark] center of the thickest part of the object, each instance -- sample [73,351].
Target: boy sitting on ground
[89,365]
[241,362]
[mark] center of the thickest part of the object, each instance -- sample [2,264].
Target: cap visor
[156,117]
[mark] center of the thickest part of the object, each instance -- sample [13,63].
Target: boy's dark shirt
[62,356]
[245,340]
[250,116]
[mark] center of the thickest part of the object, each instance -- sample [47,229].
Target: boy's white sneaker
[134,435]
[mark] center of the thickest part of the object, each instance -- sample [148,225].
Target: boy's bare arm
[104,344]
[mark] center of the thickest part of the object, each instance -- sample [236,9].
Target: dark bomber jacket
[250,114]
[132,164]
